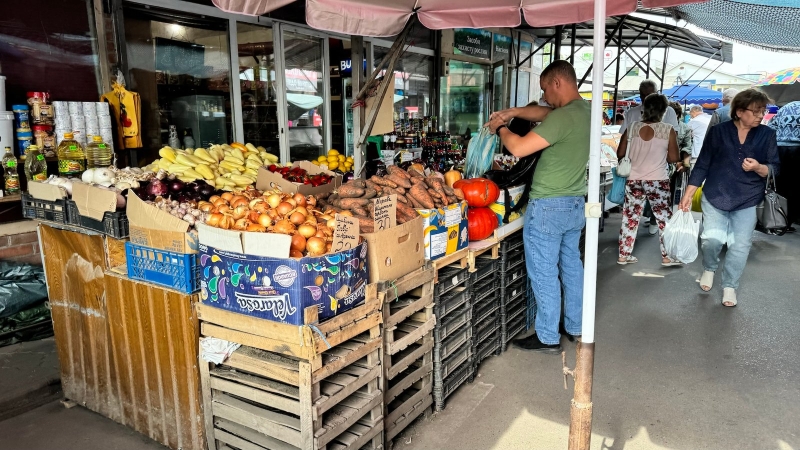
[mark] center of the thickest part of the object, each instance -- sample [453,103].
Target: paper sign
[452,216]
[345,235]
[385,212]
[406,156]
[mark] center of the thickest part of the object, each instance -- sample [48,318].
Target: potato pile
[414,191]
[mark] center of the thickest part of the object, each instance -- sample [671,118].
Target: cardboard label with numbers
[385,212]
[346,233]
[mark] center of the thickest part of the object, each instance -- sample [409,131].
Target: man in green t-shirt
[555,214]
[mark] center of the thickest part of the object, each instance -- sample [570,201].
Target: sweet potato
[419,181]
[406,210]
[323,195]
[396,170]
[420,194]
[365,224]
[350,203]
[451,199]
[350,191]
[414,173]
[358,182]
[414,203]
[359,211]
[459,194]
[383,181]
[398,180]
[369,193]
[371,185]
[400,190]
[438,185]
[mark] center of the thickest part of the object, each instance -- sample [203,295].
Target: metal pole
[519,49]
[572,45]
[616,77]
[580,425]
[649,49]
[664,68]
[356,83]
[557,49]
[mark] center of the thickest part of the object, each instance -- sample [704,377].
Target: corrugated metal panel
[128,350]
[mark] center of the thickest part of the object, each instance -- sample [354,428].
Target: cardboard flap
[141,214]
[44,191]
[258,244]
[93,202]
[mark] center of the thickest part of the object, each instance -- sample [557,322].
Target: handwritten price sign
[345,235]
[385,212]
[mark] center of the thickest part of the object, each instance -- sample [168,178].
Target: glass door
[463,107]
[499,91]
[256,77]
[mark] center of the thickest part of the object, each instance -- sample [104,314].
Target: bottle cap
[33,147]
[97,138]
[69,135]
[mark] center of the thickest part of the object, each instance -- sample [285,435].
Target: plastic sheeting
[21,286]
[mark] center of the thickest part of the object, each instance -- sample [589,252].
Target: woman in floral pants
[652,144]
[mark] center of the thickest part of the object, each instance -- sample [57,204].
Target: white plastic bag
[680,237]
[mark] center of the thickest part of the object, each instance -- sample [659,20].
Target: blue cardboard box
[444,230]
[280,289]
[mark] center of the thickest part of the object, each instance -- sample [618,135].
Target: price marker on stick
[346,233]
[385,212]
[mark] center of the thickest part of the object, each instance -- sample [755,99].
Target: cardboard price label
[345,235]
[385,212]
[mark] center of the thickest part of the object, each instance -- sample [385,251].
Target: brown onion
[283,227]
[240,211]
[228,196]
[213,198]
[292,202]
[331,223]
[256,227]
[213,219]
[241,224]
[345,213]
[297,218]
[300,199]
[295,254]
[311,201]
[205,206]
[307,230]
[265,220]
[298,243]
[284,208]
[315,246]
[253,216]
[328,246]
[302,210]
[274,200]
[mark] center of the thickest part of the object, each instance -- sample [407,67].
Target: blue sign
[346,67]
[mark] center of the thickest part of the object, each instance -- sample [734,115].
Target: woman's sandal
[729,297]
[707,280]
[670,262]
[627,260]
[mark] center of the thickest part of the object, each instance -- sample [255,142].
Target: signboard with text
[472,42]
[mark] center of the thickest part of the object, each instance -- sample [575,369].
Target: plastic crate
[463,374]
[113,224]
[457,320]
[513,291]
[34,208]
[485,330]
[441,370]
[531,312]
[512,242]
[450,302]
[449,278]
[511,260]
[442,350]
[484,289]
[484,310]
[513,274]
[514,329]
[486,349]
[485,267]
[179,271]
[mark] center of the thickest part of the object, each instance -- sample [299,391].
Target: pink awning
[387,17]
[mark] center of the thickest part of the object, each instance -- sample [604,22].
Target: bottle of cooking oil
[35,165]
[71,160]
[98,154]
[11,175]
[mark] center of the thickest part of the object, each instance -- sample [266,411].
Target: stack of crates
[485,308]
[513,289]
[408,347]
[453,362]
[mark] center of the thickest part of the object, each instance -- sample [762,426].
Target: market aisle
[674,368]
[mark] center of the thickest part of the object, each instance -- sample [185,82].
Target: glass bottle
[98,154]
[35,165]
[71,159]
[11,175]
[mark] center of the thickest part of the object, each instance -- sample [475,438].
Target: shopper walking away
[723,113]
[650,145]
[736,157]
[787,128]
[555,214]
[679,179]
[699,125]
[634,114]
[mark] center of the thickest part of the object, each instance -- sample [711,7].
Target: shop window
[463,98]
[257,83]
[304,83]
[412,84]
[180,65]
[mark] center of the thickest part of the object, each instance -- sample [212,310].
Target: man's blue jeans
[734,228]
[552,239]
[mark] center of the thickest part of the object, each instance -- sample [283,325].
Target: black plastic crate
[531,307]
[442,350]
[485,330]
[485,267]
[34,208]
[485,289]
[486,349]
[449,278]
[513,291]
[443,369]
[481,312]
[450,302]
[455,321]
[511,242]
[113,224]
[511,260]
[512,275]
[517,309]
[463,374]
[514,329]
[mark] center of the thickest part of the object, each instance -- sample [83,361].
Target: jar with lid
[44,139]
[40,108]
[35,165]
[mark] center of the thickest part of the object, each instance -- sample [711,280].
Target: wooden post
[580,417]
[357,83]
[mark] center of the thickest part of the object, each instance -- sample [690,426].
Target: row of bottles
[72,161]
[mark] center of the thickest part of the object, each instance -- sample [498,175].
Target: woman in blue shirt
[734,161]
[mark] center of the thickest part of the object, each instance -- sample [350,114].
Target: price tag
[12,163]
[40,157]
[406,156]
[385,212]
[345,235]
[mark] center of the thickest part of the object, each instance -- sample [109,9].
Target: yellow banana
[168,153]
[203,154]
[261,149]
[250,164]
[186,179]
[178,168]
[221,181]
[205,171]
[163,163]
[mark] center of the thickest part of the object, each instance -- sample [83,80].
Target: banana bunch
[226,167]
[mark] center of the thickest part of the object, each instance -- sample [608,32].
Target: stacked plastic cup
[105,123]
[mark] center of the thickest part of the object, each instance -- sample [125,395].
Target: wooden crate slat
[264,364]
[363,439]
[253,325]
[339,397]
[256,418]
[351,329]
[335,366]
[256,395]
[250,435]
[410,404]
[407,382]
[393,368]
[392,430]
[406,312]
[346,417]
[256,382]
[355,369]
[410,338]
[343,320]
[252,340]
[407,282]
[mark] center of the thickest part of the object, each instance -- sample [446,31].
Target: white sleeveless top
[649,158]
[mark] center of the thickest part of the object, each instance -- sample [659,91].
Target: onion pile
[188,210]
[274,212]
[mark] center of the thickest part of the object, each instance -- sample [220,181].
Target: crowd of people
[728,154]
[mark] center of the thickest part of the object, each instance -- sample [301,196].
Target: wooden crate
[460,257]
[264,396]
[494,248]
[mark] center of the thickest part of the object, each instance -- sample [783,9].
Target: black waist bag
[521,173]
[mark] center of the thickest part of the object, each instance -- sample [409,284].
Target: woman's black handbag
[773,210]
[520,173]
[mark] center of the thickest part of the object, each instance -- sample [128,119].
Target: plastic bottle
[71,160]
[98,154]
[11,175]
[35,165]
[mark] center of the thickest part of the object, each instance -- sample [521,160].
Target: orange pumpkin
[478,192]
[481,223]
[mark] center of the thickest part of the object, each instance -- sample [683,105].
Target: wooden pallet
[460,257]
[261,398]
[409,331]
[414,404]
[473,255]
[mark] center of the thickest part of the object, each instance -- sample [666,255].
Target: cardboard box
[93,202]
[444,230]
[396,251]
[44,191]
[278,288]
[499,207]
[154,228]
[269,180]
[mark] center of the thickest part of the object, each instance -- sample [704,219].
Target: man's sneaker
[533,343]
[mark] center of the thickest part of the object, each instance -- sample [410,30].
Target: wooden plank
[252,340]
[410,338]
[256,382]
[396,367]
[256,395]
[409,405]
[236,441]
[306,401]
[208,417]
[335,366]
[349,331]
[406,283]
[342,320]
[394,319]
[333,400]
[459,257]
[265,364]
[277,425]
[421,372]
[392,430]
[251,435]
[331,430]
[364,438]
